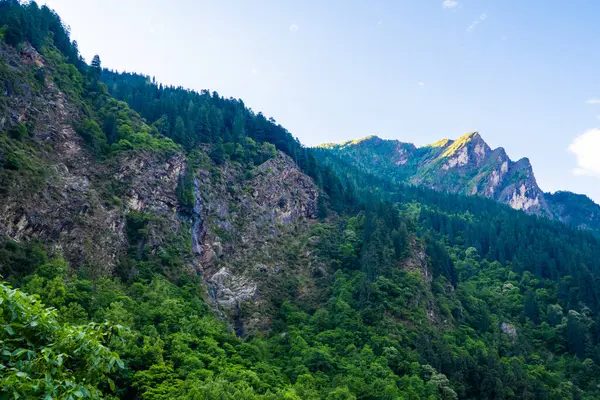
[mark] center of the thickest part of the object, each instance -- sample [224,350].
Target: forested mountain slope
[467,166]
[164,243]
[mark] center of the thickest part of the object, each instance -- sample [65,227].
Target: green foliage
[19,260]
[42,358]
[225,127]
[93,135]
[17,132]
[420,294]
[20,166]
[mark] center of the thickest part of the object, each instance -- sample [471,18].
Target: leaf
[17,353]
[22,374]
[111,383]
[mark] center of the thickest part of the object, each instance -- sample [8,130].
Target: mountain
[467,166]
[161,243]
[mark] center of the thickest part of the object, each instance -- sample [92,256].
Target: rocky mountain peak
[467,165]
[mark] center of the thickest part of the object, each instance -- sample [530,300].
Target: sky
[525,74]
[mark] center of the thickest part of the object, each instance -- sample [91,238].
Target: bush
[93,135]
[18,132]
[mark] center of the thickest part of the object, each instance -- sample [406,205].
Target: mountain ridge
[169,244]
[467,165]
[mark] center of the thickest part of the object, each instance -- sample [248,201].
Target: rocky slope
[253,242]
[467,166]
[56,190]
[247,233]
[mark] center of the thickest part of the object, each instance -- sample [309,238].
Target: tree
[96,68]
[531,307]
[576,333]
[13,34]
[179,130]
[554,314]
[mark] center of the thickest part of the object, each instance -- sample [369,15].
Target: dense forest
[425,295]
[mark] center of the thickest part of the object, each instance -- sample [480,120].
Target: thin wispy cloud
[449,3]
[421,83]
[592,101]
[294,28]
[585,148]
[474,24]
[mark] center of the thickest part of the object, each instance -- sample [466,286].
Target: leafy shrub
[40,358]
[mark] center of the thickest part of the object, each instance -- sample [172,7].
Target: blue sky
[525,74]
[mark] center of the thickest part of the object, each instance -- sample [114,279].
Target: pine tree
[96,68]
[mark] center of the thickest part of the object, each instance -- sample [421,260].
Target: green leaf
[111,383]
[17,353]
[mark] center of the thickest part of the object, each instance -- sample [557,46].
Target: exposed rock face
[246,224]
[467,165]
[68,207]
[150,184]
[247,229]
[65,208]
[229,289]
[250,211]
[508,329]
[470,166]
[283,191]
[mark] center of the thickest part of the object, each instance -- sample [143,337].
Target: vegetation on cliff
[415,294]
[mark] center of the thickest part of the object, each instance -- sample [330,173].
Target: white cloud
[474,24]
[592,101]
[450,3]
[294,28]
[585,147]
[255,71]
[421,83]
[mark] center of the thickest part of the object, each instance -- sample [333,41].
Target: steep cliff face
[62,205]
[56,190]
[467,166]
[246,232]
[252,242]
